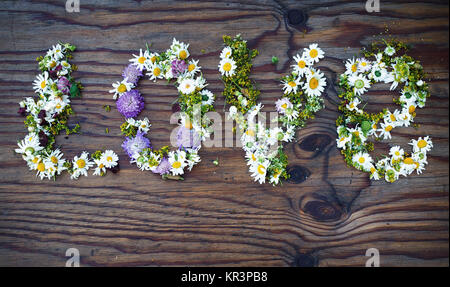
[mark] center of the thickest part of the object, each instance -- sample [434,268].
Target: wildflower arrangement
[47,116]
[194,101]
[299,103]
[382,62]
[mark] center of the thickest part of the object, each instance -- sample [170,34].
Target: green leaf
[365,126]
[75,91]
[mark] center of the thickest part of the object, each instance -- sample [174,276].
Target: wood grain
[327,215]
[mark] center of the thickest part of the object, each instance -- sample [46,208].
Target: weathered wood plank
[218,216]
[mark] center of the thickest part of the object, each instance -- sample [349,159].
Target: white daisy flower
[177,160]
[144,125]
[364,65]
[227,67]
[385,130]
[187,86]
[101,168]
[360,83]
[390,51]
[207,97]
[142,60]
[259,171]
[109,158]
[42,83]
[315,84]
[422,144]
[391,174]
[396,153]
[283,104]
[353,106]
[314,53]
[81,165]
[303,63]
[275,177]
[180,49]
[200,82]
[120,88]
[155,71]
[29,145]
[357,133]
[374,173]
[226,53]
[363,160]
[351,66]
[378,74]
[57,162]
[291,86]
[193,67]
[392,118]
[342,142]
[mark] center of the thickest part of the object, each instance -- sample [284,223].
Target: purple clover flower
[135,145]
[63,85]
[178,67]
[130,104]
[163,167]
[132,73]
[188,138]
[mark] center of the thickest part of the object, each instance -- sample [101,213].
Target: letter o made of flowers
[384,62]
[301,100]
[47,116]
[193,99]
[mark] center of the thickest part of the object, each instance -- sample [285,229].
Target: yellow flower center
[372,170]
[153,59]
[412,109]
[109,158]
[301,64]
[408,161]
[188,124]
[363,64]
[250,133]
[52,64]
[362,160]
[261,169]
[342,139]
[156,71]
[313,53]
[43,84]
[284,105]
[191,67]
[354,68]
[182,55]
[41,167]
[227,67]
[54,159]
[356,134]
[422,144]
[253,157]
[81,163]
[101,165]
[141,60]
[352,105]
[35,160]
[388,128]
[397,153]
[58,106]
[176,164]
[292,84]
[313,83]
[122,88]
[227,54]
[393,118]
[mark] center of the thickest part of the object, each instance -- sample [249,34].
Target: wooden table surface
[327,215]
